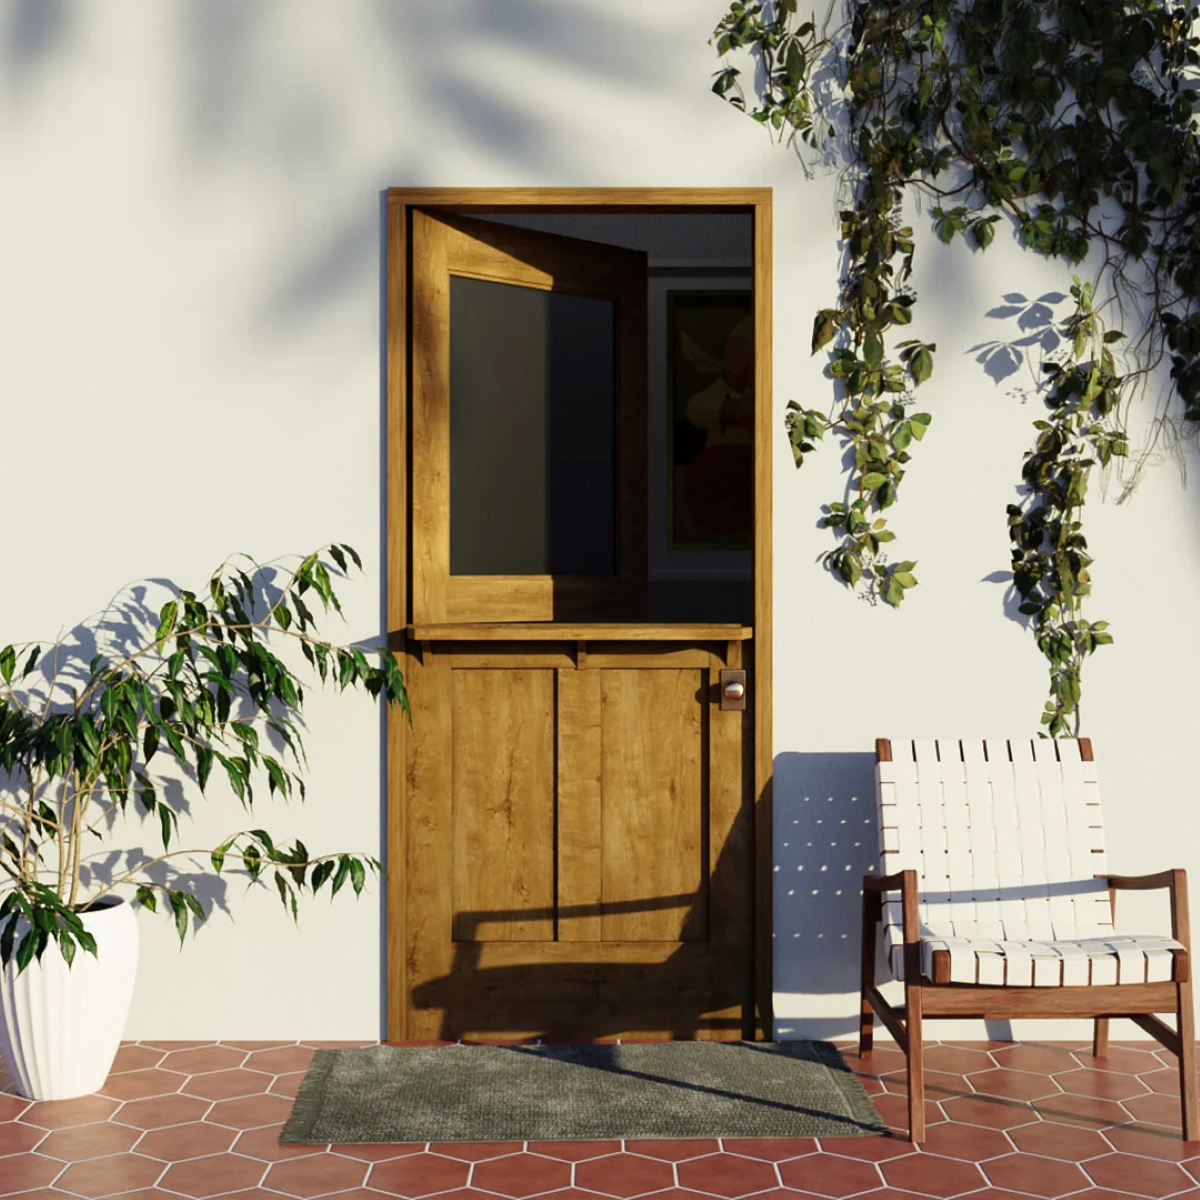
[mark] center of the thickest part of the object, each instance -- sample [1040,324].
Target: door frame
[757,202]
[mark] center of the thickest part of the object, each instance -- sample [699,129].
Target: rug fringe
[307,1105]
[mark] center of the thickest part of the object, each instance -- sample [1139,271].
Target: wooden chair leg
[916,1065]
[1100,1038]
[866,1014]
[1188,1094]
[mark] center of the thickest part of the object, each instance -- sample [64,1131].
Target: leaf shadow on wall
[118,632]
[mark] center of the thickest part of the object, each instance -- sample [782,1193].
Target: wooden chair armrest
[904,882]
[1142,883]
[1174,881]
[885,883]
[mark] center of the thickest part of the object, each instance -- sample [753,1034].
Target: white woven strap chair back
[1006,838]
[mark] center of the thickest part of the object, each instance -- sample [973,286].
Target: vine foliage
[1069,123]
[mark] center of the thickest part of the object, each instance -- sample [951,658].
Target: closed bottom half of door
[578,843]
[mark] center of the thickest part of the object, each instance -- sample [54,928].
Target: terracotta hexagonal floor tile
[574,1151]
[316,1175]
[1121,1058]
[250,1046]
[203,1058]
[1014,1085]
[167,1046]
[772,1149]
[956,1060]
[878,1061]
[211,1176]
[84,1141]
[418,1175]
[971,1143]
[476,1151]
[1044,1059]
[939,1085]
[138,1085]
[12,1107]
[1165,1081]
[1137,1176]
[521,1175]
[264,1144]
[110,1176]
[224,1085]
[1052,1140]
[53,1194]
[1086,1111]
[62,1114]
[282,1060]
[932,1175]
[869,1149]
[251,1111]
[132,1057]
[624,1175]
[162,1111]
[367,1151]
[1155,1108]
[287,1085]
[1152,1141]
[894,1111]
[22,1172]
[829,1175]
[194,1140]
[1107,1085]
[727,1175]
[672,1150]
[17,1138]
[1039,1176]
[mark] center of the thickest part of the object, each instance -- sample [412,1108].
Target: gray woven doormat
[564,1093]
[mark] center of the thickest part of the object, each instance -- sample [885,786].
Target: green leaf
[921,366]
[8,663]
[905,579]
[874,480]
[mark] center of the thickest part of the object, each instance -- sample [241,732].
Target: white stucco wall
[190,299]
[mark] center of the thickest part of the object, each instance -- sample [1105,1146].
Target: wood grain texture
[445,245]
[396,436]
[502,805]
[760,671]
[429,495]
[396,865]
[427,879]
[558,199]
[566,631]
[565,989]
[580,807]
[1006,1003]
[654,805]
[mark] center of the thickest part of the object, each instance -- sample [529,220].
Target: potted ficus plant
[195,688]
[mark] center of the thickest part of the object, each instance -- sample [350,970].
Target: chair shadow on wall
[578,1001]
[826,838]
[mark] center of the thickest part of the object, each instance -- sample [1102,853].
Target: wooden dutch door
[575,799]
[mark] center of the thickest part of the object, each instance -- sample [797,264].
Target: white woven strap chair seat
[1006,840]
[1079,962]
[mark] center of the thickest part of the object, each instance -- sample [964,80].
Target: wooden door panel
[446,246]
[568,827]
[502,805]
[580,807]
[654,807]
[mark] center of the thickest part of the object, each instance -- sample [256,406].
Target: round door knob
[734,690]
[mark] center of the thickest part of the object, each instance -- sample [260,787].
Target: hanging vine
[1071,122]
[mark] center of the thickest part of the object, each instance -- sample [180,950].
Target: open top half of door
[528,425]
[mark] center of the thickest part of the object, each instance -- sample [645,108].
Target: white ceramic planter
[60,1026]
